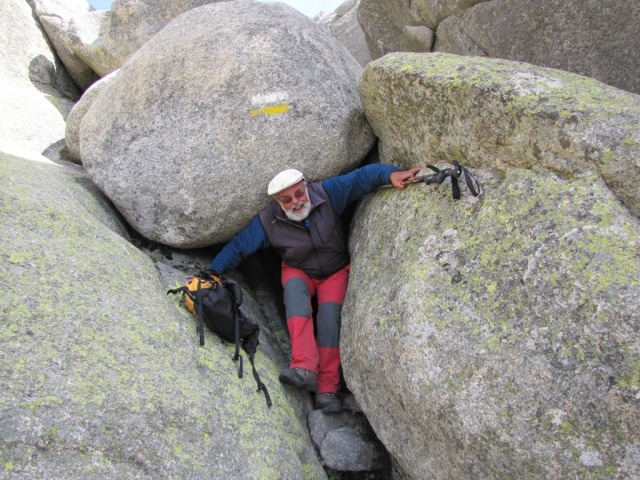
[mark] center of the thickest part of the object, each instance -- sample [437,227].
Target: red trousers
[319,353]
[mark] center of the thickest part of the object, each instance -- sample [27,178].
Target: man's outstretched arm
[344,189]
[249,240]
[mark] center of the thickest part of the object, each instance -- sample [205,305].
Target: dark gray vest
[319,251]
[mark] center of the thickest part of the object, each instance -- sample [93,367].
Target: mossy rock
[496,114]
[496,337]
[101,372]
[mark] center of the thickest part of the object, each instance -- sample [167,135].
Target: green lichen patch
[496,114]
[102,374]
[512,316]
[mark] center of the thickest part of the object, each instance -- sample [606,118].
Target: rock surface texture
[34,84]
[77,113]
[343,23]
[101,373]
[55,16]
[194,125]
[390,26]
[428,108]
[105,39]
[595,39]
[346,443]
[496,337]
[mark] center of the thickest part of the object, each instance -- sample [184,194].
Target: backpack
[216,304]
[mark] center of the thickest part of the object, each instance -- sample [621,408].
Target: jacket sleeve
[344,189]
[248,241]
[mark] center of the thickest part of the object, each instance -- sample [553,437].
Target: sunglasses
[298,194]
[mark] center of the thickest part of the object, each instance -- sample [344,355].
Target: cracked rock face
[592,39]
[344,25]
[347,443]
[56,16]
[37,92]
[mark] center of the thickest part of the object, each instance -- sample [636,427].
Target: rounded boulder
[186,138]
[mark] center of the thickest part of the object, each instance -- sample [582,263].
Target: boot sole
[297,383]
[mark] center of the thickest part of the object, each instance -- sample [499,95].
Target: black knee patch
[296,298]
[328,322]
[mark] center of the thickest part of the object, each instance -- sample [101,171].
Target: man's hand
[402,178]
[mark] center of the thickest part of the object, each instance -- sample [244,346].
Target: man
[303,225]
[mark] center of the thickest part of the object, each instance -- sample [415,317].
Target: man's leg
[331,294]
[298,290]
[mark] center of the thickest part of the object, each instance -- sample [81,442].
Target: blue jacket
[341,191]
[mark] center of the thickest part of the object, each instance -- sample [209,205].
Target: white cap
[284,180]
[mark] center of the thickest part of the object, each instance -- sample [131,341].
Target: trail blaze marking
[271,110]
[272,103]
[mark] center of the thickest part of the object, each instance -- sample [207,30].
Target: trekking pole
[441,175]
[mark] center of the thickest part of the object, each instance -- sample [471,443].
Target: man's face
[295,201]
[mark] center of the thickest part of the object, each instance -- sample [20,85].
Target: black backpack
[216,304]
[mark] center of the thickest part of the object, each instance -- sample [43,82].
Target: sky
[309,7]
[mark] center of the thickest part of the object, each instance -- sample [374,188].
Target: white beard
[300,214]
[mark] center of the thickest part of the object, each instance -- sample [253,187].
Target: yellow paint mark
[271,110]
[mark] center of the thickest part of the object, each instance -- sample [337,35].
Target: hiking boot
[299,377]
[328,403]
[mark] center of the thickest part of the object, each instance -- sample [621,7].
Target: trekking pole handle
[416,179]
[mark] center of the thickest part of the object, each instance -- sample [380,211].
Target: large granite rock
[347,443]
[343,23]
[496,337]
[186,137]
[55,16]
[77,113]
[101,373]
[434,11]
[596,39]
[33,83]
[391,26]
[497,114]
[105,39]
